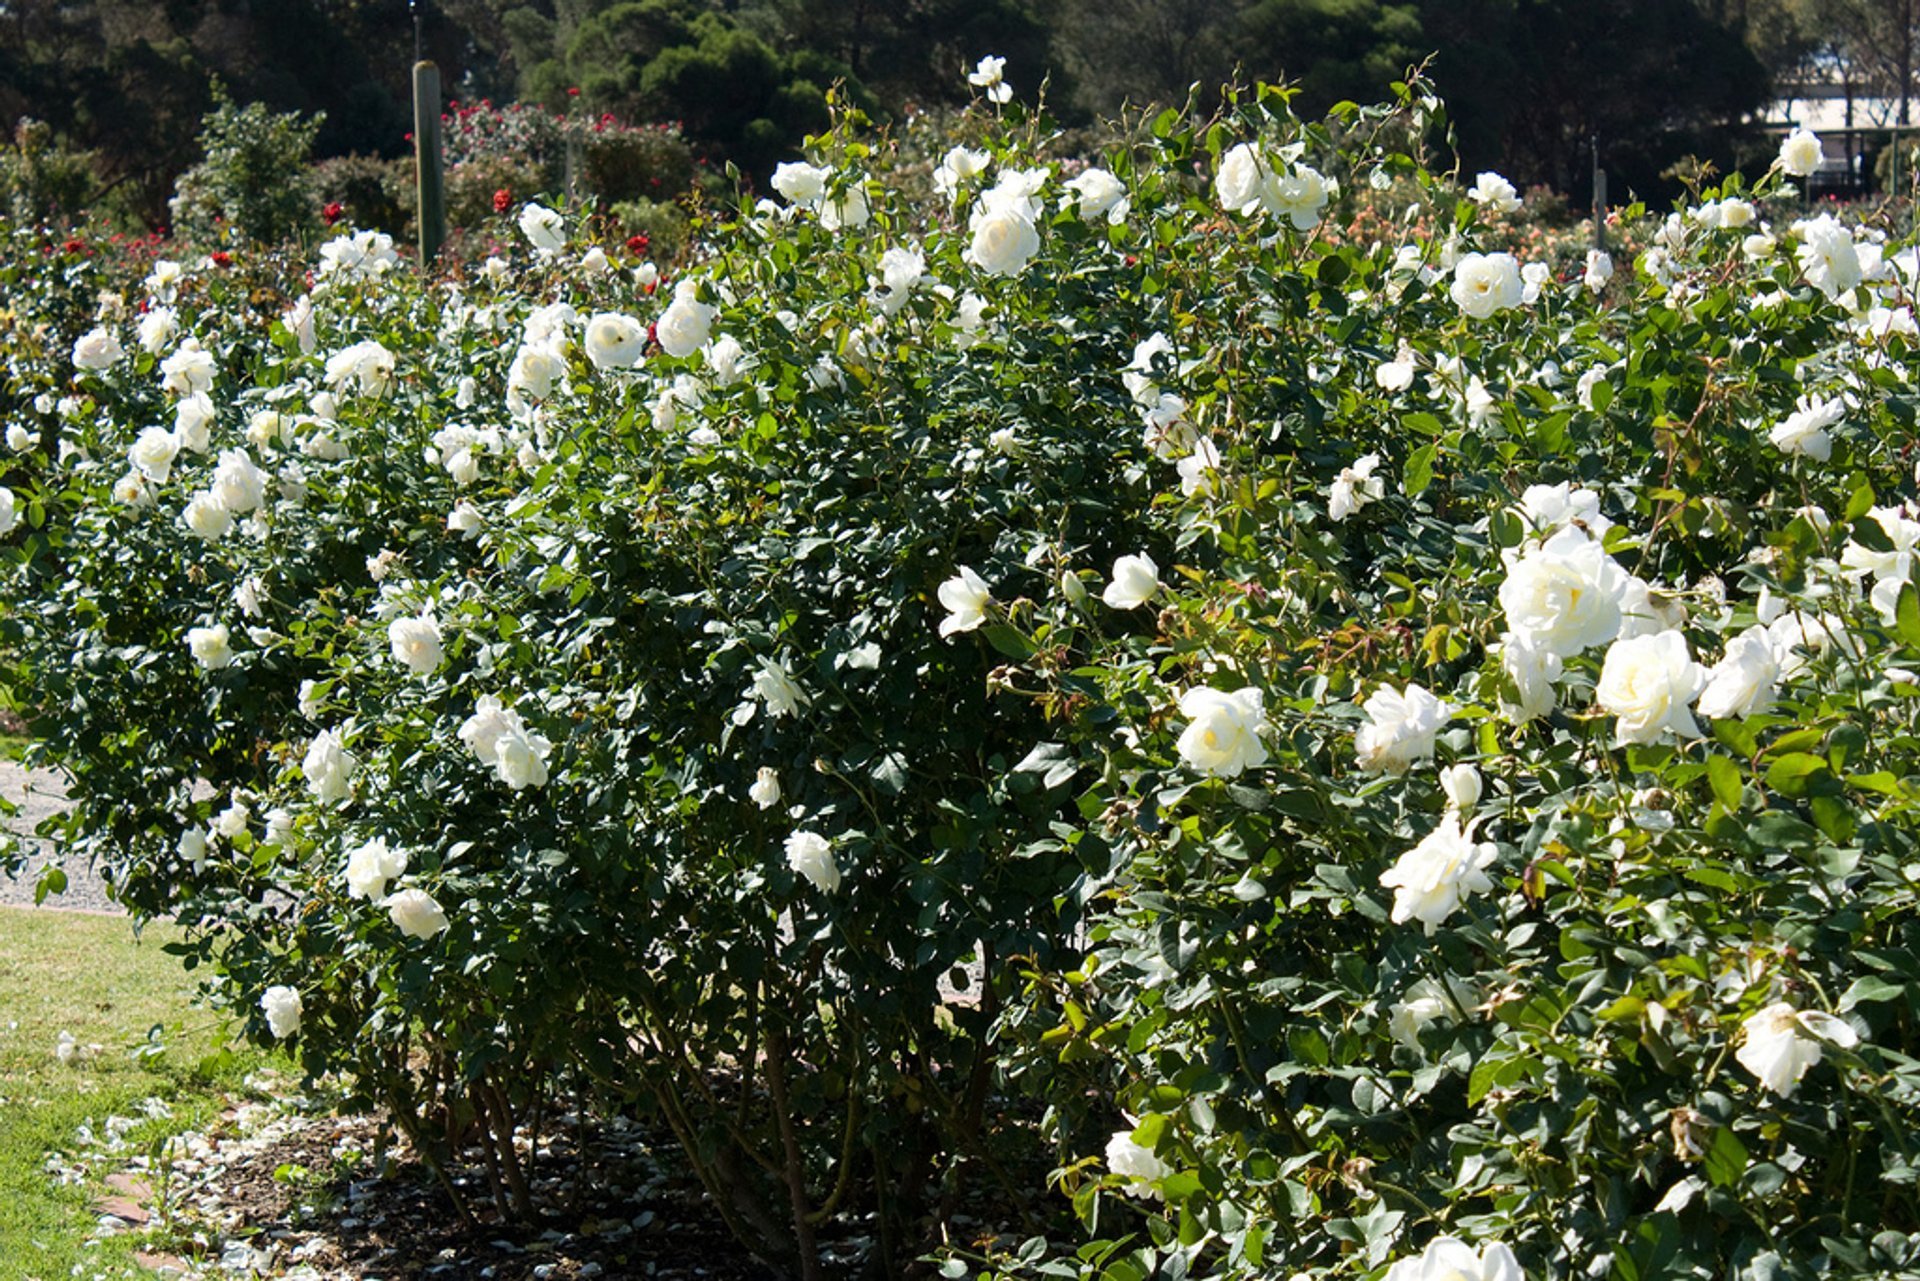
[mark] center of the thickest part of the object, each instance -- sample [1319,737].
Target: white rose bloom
[988,74]
[849,211]
[129,491]
[299,322]
[1400,728]
[1427,1002]
[465,518]
[192,846]
[97,349]
[1436,876]
[233,820]
[1004,239]
[765,791]
[594,262]
[1242,179]
[188,370]
[281,1005]
[328,767]
[1565,595]
[1649,683]
[19,439]
[1138,1165]
[416,913]
[1494,194]
[1451,1259]
[1396,374]
[778,690]
[1099,194]
[615,341]
[1828,257]
[238,485]
[1644,610]
[965,597]
[1533,278]
[193,422]
[520,756]
[1354,488]
[1486,283]
[1599,270]
[1224,736]
[811,855]
[366,367]
[1135,580]
[279,827]
[1298,196]
[210,646]
[9,510]
[801,183]
[156,329]
[371,866]
[1742,682]
[416,643]
[1804,431]
[1736,213]
[1782,1043]
[1463,786]
[1800,152]
[1549,508]
[153,452]
[959,164]
[687,323]
[482,731]
[544,228]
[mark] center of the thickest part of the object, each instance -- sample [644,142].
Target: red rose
[501,200]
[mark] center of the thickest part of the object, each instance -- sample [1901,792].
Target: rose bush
[1382,745]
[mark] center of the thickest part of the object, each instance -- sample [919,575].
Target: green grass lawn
[88,975]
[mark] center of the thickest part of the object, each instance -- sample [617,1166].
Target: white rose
[849,211]
[193,422]
[1486,283]
[279,827]
[1400,728]
[188,370]
[153,452]
[1099,193]
[1135,580]
[1494,194]
[1241,179]
[544,228]
[811,855]
[1396,374]
[1354,488]
[686,324]
[779,691]
[1649,682]
[615,341]
[957,166]
[416,643]
[210,646]
[129,491]
[465,518]
[1550,508]
[1223,738]
[520,756]
[801,183]
[965,597]
[1782,1043]
[1828,256]
[1742,682]
[97,349]
[1800,152]
[299,322]
[989,74]
[1434,877]
[238,485]
[1462,785]
[1565,595]
[415,912]
[371,866]
[1138,1165]
[1298,196]
[765,791]
[366,367]
[1004,239]
[281,1005]
[481,732]
[156,329]
[1451,1259]
[328,767]
[1599,270]
[233,820]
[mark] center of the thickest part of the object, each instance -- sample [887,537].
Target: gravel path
[40,794]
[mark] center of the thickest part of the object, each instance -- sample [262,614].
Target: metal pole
[1599,198]
[429,180]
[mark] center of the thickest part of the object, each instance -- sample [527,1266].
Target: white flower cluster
[498,737]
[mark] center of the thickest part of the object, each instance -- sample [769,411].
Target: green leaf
[1790,775]
[1869,988]
[1418,473]
[1723,776]
[1907,615]
[1726,1158]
